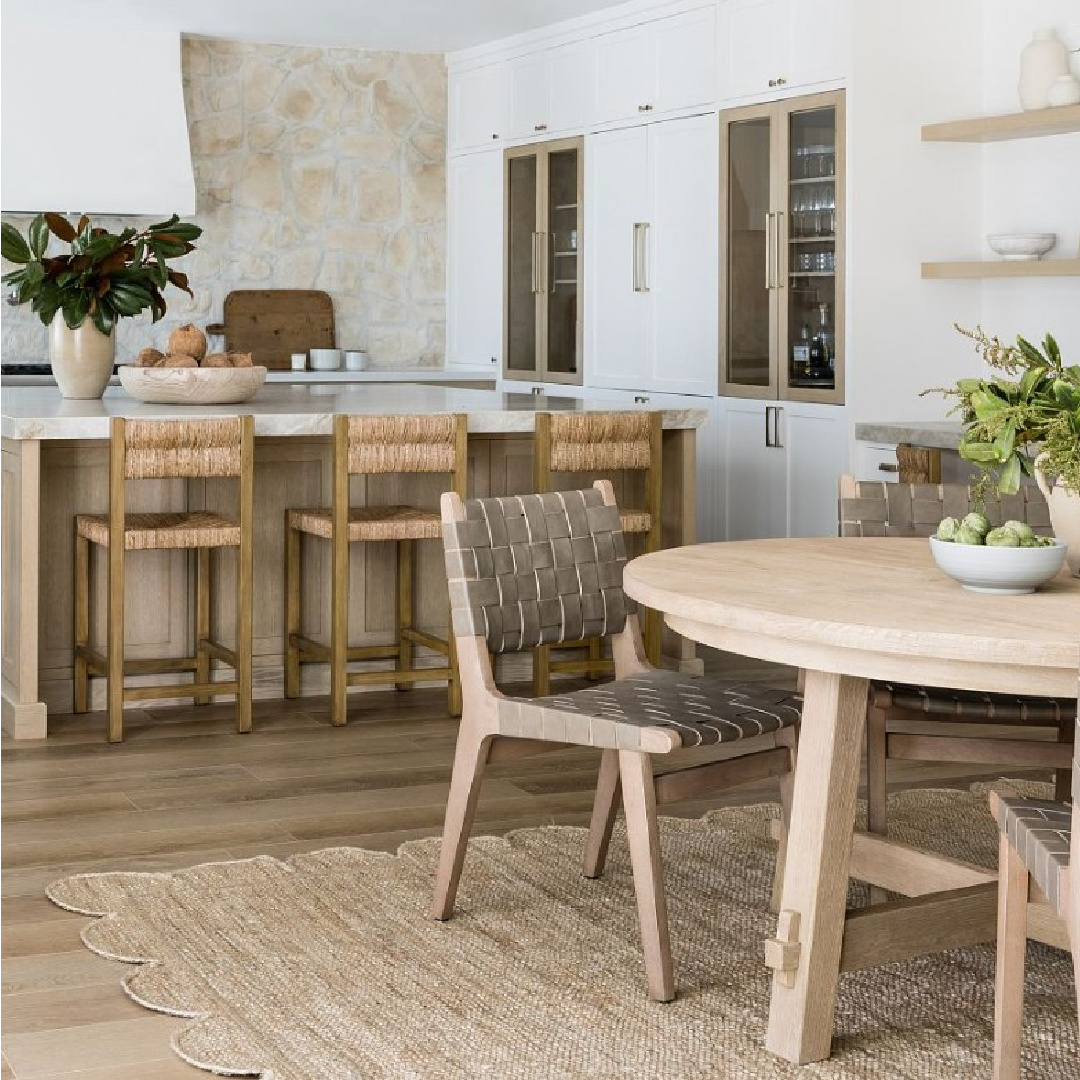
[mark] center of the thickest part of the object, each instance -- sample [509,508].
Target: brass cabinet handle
[494,135]
[768,253]
[778,226]
[644,108]
[886,467]
[535,264]
[781,82]
[641,269]
[539,127]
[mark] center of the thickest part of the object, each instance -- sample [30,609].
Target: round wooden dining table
[846,611]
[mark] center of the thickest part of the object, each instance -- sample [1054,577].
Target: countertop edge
[935,434]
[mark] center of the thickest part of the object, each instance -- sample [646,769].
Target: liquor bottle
[817,354]
[800,354]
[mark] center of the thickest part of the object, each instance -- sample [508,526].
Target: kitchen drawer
[877,462]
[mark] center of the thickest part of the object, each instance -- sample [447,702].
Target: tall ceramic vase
[1042,61]
[1064,506]
[82,359]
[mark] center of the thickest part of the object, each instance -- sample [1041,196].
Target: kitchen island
[55,464]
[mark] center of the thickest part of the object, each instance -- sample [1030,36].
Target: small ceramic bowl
[1003,570]
[1021,247]
[325,359]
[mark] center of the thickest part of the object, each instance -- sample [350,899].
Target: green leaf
[35,273]
[39,236]
[12,246]
[1009,481]
[979,452]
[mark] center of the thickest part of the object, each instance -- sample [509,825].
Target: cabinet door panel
[815,445]
[616,315]
[752,501]
[685,58]
[753,37]
[530,94]
[626,73]
[474,259]
[819,42]
[479,111]
[682,274]
[573,85]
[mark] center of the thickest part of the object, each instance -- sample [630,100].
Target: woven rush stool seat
[548,568]
[879,509]
[372,523]
[157,450]
[163,531]
[1038,842]
[602,443]
[372,446]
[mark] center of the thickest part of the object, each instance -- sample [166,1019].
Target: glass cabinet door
[810,352]
[749,254]
[564,262]
[522,258]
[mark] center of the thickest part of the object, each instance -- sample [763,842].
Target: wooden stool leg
[470,757]
[1011,947]
[114,679]
[596,654]
[244,633]
[643,834]
[339,628]
[541,671]
[292,610]
[202,621]
[788,737]
[654,636]
[82,623]
[405,617]
[605,807]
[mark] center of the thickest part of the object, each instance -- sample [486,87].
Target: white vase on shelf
[1043,60]
[1065,90]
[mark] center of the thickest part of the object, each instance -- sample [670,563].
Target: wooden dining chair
[1037,859]
[542,569]
[879,509]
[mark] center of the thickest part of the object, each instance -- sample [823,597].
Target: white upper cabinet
[626,81]
[768,48]
[479,109]
[530,96]
[553,90]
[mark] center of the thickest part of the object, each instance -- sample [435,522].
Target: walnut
[149,358]
[179,360]
[216,360]
[188,340]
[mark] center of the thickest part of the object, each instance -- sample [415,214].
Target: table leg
[816,869]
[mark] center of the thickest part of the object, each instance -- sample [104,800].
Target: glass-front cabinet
[782,250]
[544,230]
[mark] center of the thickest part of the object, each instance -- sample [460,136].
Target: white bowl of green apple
[1008,560]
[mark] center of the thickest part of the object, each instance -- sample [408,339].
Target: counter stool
[373,445]
[602,443]
[158,450]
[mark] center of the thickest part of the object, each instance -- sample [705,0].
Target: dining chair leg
[114,680]
[202,621]
[404,660]
[643,835]
[789,738]
[541,671]
[292,609]
[470,758]
[81,673]
[605,807]
[1011,947]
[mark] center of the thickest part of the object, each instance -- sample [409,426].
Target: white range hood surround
[93,122]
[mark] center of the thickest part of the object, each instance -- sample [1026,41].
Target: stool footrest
[419,637]
[375,678]
[97,663]
[180,690]
[218,651]
[315,652]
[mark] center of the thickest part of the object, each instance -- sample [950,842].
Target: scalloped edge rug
[326,966]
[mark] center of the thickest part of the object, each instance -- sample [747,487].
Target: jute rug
[327,966]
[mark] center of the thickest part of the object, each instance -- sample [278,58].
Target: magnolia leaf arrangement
[104,277]
[1026,417]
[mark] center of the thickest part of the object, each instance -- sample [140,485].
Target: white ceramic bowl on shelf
[325,359]
[1021,247]
[191,386]
[1003,570]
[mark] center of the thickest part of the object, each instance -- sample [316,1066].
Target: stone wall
[315,169]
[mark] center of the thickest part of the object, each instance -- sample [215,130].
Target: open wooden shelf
[1002,268]
[1021,125]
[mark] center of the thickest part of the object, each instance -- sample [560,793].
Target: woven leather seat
[546,569]
[657,707]
[972,705]
[372,523]
[1039,832]
[162,532]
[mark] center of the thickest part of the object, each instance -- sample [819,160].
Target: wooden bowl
[191,386]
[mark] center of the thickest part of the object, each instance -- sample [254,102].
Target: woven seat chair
[877,509]
[1040,844]
[547,568]
[154,450]
[372,446]
[602,443]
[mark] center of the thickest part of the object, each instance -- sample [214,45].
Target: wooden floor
[183,788]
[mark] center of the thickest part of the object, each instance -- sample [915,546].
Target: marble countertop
[368,375]
[937,434]
[41,413]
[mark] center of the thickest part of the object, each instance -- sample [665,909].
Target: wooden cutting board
[272,324]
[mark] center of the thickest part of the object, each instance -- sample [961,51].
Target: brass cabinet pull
[539,127]
[644,108]
[641,269]
[886,467]
[768,252]
[535,264]
[778,225]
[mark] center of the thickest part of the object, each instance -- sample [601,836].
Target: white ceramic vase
[1042,60]
[1065,90]
[81,359]
[1064,506]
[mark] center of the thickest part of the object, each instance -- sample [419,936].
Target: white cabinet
[474,270]
[479,107]
[553,90]
[770,47]
[652,263]
[657,67]
[780,464]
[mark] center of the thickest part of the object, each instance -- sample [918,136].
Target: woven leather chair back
[403,444]
[161,449]
[600,442]
[536,569]
[871,508]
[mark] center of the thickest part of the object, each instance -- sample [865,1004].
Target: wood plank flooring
[184,788]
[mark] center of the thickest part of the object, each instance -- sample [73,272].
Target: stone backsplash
[315,169]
